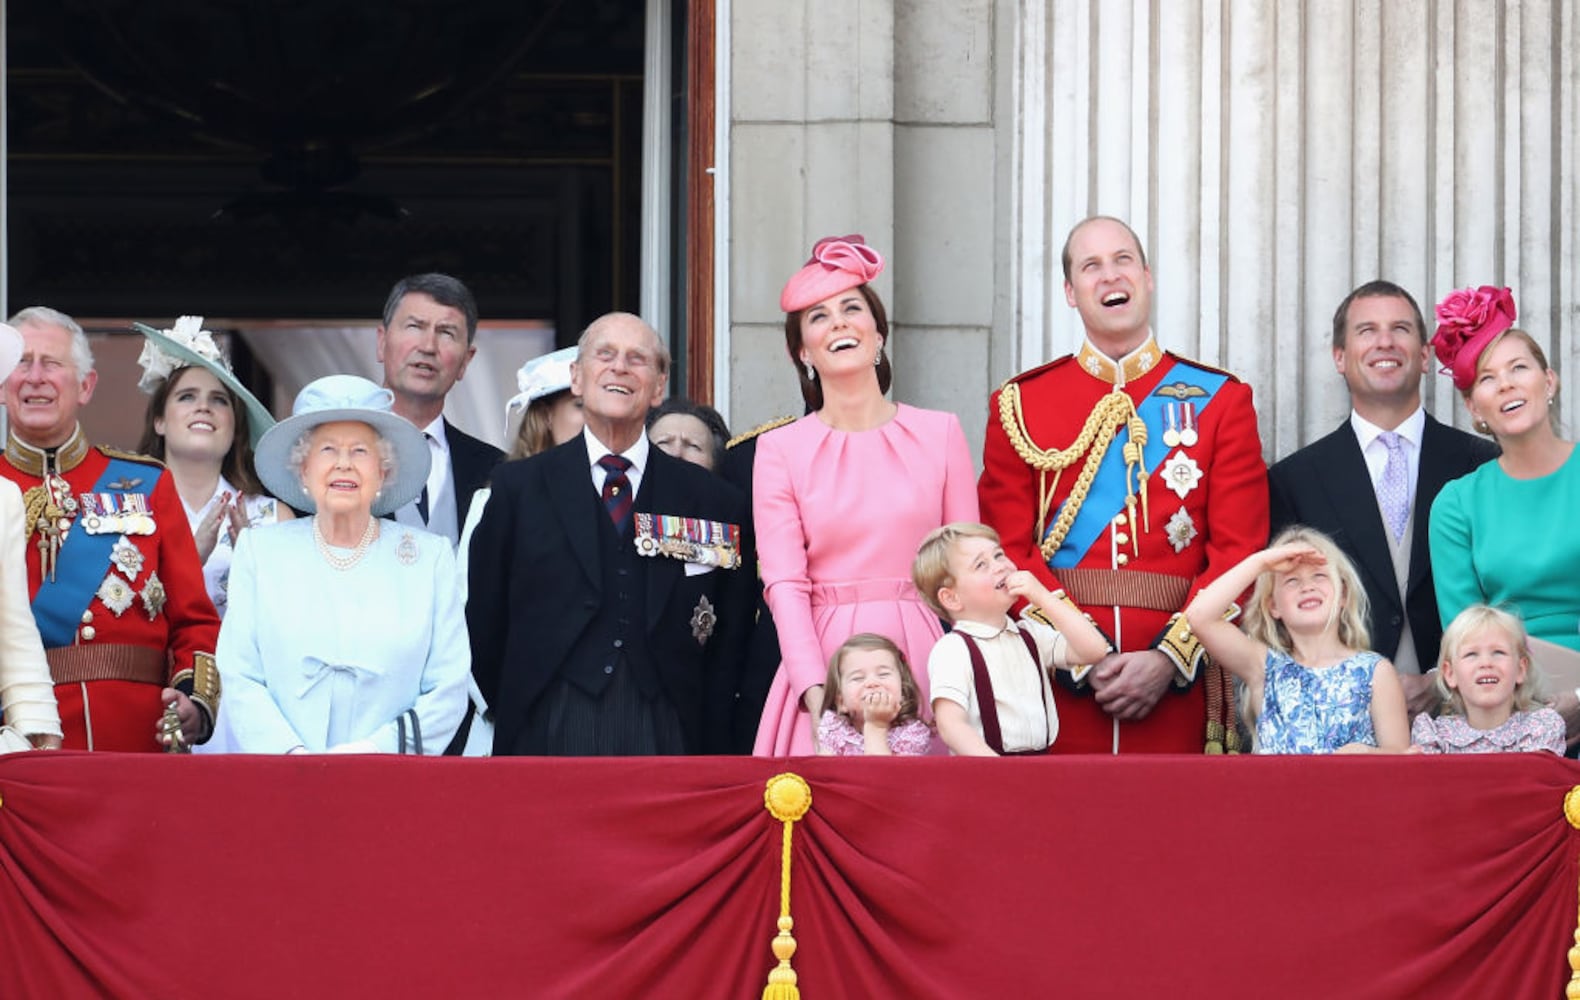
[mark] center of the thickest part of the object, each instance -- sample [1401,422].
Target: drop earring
[811,373]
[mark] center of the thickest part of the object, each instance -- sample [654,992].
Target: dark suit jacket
[1326,485]
[471,461]
[535,586]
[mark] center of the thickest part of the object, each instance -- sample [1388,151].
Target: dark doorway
[292,158]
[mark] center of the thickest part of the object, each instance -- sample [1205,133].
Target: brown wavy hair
[910,694]
[811,388]
[237,464]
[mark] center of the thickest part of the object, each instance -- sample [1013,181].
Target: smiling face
[1304,598]
[199,419]
[1511,389]
[343,470]
[840,335]
[683,436]
[862,671]
[424,351]
[619,374]
[1110,285]
[979,569]
[1486,670]
[45,391]
[1383,355]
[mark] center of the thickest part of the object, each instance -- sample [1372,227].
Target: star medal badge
[703,620]
[1181,474]
[127,558]
[115,593]
[1181,530]
[153,595]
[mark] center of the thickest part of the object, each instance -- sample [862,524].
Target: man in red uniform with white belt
[116,584]
[1130,477]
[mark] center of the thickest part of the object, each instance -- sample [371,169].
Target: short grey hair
[81,351]
[662,357]
[297,459]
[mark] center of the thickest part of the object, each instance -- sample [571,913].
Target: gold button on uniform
[88,633]
[1121,538]
[87,617]
[1122,559]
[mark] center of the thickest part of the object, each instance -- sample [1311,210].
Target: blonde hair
[910,694]
[1349,611]
[536,432]
[930,569]
[1541,359]
[1477,617]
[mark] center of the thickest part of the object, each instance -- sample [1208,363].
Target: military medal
[127,558]
[1181,530]
[1188,436]
[115,594]
[153,595]
[703,620]
[691,539]
[1181,474]
[1171,428]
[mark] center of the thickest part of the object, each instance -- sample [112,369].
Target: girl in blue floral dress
[1311,685]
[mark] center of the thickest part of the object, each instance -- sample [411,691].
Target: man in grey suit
[1370,484]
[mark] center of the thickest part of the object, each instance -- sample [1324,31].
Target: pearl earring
[811,373]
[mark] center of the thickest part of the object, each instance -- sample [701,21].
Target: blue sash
[59,604]
[1106,497]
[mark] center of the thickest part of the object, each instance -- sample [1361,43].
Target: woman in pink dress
[843,496]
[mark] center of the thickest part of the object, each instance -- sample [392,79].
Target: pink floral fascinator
[838,263]
[1467,321]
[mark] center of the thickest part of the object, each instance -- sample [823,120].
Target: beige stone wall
[877,117]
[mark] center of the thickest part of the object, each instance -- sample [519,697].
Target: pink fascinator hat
[1467,321]
[838,263]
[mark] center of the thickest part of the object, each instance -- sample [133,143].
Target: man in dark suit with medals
[1371,482]
[608,606]
[425,343]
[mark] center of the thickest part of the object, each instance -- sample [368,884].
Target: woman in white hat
[27,694]
[345,632]
[203,423]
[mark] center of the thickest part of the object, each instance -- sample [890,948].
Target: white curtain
[295,355]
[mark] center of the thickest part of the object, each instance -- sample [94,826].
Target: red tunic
[120,713]
[1226,510]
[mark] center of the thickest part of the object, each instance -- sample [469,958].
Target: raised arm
[1207,615]
[1084,642]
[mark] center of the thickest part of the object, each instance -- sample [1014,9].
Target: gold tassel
[1572,814]
[787,799]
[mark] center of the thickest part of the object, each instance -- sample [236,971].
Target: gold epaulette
[762,428]
[129,456]
[1181,359]
[1034,372]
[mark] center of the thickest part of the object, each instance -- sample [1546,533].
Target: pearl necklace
[345,562]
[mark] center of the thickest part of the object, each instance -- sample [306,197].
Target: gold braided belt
[1125,588]
[1113,411]
[108,662]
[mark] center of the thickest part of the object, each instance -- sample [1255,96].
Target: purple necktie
[1393,489]
[617,490]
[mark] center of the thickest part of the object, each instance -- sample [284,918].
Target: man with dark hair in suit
[425,343]
[1370,484]
[610,615]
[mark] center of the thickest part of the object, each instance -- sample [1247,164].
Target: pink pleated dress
[839,515]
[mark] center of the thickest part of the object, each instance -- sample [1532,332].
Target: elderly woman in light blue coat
[345,632]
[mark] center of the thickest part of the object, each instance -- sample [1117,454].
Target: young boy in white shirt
[990,677]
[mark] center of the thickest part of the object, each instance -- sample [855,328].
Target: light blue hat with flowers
[541,376]
[335,398]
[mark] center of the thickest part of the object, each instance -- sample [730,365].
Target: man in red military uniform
[1130,477]
[116,585]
